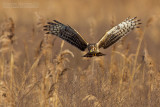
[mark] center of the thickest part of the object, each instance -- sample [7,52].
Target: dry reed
[57,76]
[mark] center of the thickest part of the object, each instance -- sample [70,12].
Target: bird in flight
[70,35]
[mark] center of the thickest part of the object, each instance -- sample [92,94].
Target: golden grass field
[39,70]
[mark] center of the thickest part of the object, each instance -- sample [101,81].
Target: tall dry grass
[39,70]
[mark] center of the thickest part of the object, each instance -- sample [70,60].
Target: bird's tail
[92,54]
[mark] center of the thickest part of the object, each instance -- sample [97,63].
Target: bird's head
[92,48]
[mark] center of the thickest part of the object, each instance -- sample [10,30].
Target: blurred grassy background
[84,14]
[100,82]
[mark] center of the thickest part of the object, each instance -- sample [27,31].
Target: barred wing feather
[66,33]
[117,32]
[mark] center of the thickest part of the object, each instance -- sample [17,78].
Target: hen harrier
[73,37]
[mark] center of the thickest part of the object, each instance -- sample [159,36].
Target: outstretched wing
[66,33]
[117,32]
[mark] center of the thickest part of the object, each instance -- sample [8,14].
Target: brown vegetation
[39,70]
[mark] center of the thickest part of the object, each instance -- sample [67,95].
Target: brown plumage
[73,37]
